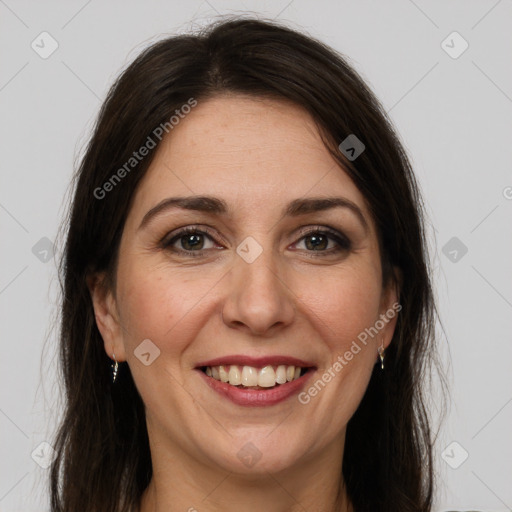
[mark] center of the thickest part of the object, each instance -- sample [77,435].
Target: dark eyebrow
[218,206]
[198,203]
[312,205]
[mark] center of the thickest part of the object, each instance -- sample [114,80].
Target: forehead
[253,152]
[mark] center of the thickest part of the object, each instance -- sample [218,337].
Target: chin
[258,454]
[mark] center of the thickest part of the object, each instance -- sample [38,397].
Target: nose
[259,300]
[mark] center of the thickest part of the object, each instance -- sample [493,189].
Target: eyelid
[314,228]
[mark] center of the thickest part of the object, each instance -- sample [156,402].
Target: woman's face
[269,276]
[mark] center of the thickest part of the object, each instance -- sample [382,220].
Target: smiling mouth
[250,377]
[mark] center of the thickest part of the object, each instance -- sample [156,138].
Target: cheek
[341,311]
[344,306]
[165,308]
[157,304]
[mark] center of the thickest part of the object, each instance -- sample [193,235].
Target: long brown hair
[103,460]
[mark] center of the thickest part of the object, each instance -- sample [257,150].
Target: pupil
[193,242]
[316,242]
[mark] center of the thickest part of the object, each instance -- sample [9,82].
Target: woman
[246,245]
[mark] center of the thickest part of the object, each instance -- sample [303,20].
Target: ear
[107,318]
[390,307]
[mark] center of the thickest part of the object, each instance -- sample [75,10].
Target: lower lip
[257,397]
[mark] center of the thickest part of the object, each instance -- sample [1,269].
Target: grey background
[453,114]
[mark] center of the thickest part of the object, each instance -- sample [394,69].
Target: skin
[257,155]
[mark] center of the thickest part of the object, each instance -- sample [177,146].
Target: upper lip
[256,362]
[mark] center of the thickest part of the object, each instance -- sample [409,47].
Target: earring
[114,367]
[381,355]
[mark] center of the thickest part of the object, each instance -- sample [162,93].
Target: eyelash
[343,242]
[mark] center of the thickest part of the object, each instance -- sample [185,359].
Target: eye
[323,240]
[190,240]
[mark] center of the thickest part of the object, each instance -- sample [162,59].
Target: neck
[268,493]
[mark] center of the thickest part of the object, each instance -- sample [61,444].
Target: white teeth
[235,378]
[281,374]
[267,377]
[224,375]
[249,376]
